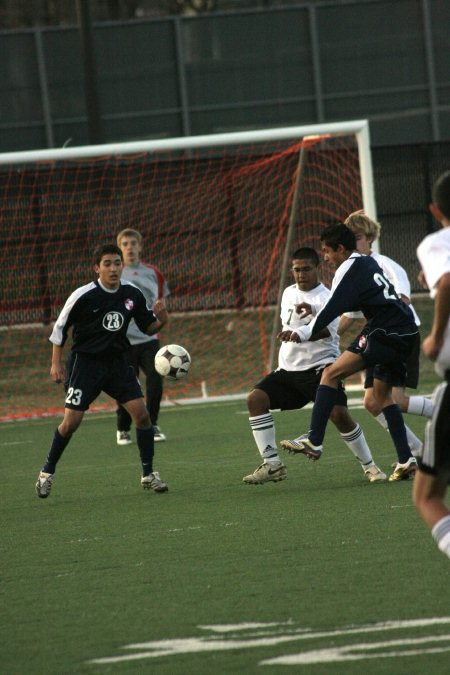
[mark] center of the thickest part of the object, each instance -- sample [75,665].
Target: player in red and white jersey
[142,351]
[433,476]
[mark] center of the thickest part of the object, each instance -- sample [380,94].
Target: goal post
[219,215]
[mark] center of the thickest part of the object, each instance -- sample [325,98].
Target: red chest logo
[129,304]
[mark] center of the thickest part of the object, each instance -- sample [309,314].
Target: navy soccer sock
[146,445]
[396,426]
[323,405]
[57,448]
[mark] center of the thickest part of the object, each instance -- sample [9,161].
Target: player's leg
[145,442]
[415,444]
[325,397]
[382,392]
[153,384]
[430,484]
[347,364]
[414,405]
[353,437]
[124,387]
[123,418]
[83,384]
[262,425]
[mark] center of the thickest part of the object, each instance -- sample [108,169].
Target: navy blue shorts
[412,368]
[87,376]
[384,355]
[290,390]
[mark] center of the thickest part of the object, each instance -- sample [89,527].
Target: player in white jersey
[294,383]
[366,232]
[141,354]
[433,476]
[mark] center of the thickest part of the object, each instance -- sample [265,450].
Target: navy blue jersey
[99,318]
[360,285]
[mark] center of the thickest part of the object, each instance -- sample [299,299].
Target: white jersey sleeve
[306,355]
[434,257]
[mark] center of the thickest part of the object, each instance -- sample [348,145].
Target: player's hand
[284,336]
[304,309]
[422,281]
[160,311]
[57,373]
[431,347]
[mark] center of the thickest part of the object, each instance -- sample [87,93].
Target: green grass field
[324,571]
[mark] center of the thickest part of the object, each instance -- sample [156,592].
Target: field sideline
[322,573]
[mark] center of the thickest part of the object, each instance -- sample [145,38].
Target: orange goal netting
[215,220]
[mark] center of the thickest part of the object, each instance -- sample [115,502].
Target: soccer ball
[172,362]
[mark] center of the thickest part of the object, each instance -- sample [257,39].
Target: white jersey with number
[434,257]
[306,355]
[153,285]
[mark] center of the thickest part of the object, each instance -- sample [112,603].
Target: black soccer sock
[396,426]
[146,444]
[323,405]
[57,448]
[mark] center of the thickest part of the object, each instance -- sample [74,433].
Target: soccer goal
[220,215]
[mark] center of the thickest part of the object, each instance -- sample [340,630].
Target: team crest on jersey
[129,304]
[113,321]
[362,341]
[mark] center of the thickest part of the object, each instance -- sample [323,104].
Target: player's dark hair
[338,234]
[441,193]
[306,253]
[105,249]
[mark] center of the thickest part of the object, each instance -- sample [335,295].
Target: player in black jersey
[383,345]
[99,314]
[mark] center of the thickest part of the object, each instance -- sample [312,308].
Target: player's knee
[257,402]
[142,419]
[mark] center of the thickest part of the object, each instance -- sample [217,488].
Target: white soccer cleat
[44,484]
[374,474]
[159,436]
[302,445]
[153,482]
[123,438]
[265,473]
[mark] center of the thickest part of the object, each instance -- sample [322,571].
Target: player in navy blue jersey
[98,315]
[383,345]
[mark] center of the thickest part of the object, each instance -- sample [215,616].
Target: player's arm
[162,317]
[57,368]
[432,344]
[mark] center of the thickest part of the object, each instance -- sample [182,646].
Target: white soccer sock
[414,443]
[419,405]
[263,430]
[441,535]
[357,443]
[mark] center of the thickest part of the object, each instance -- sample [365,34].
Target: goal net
[220,216]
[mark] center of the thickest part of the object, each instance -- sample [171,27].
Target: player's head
[440,207]
[305,268]
[129,232]
[106,249]
[338,235]
[108,265]
[338,242]
[130,243]
[365,230]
